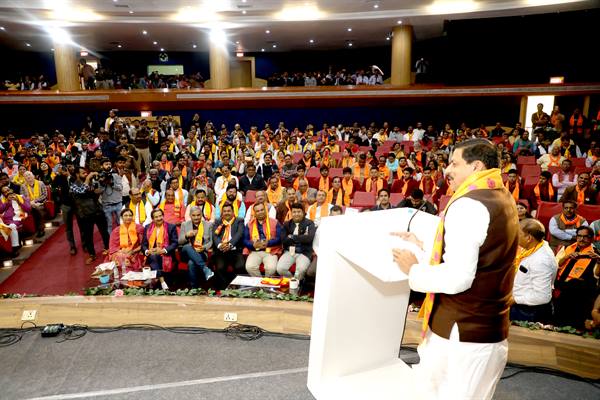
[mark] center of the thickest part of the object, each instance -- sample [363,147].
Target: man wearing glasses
[577,280]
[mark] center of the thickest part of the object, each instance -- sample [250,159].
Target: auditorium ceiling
[250,25]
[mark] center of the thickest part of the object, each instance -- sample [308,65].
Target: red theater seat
[313,175]
[250,198]
[296,157]
[590,212]
[578,162]
[547,210]
[363,200]
[396,198]
[531,170]
[526,160]
[333,172]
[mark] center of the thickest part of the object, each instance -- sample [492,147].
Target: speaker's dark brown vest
[482,311]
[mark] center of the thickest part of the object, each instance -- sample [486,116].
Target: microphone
[416,212]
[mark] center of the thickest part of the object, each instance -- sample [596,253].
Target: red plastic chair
[363,200]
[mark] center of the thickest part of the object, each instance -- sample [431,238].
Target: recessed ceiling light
[350,44]
[52,49]
[399,22]
[274,46]
[243,11]
[387,38]
[27,44]
[237,42]
[119,46]
[2,28]
[130,12]
[267,31]
[311,41]
[243,1]
[349,29]
[144,32]
[155,42]
[194,45]
[262,49]
[375,5]
[162,49]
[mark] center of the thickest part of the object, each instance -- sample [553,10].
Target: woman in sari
[126,243]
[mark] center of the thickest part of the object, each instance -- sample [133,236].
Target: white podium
[361,301]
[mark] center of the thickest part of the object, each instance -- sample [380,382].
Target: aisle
[51,270]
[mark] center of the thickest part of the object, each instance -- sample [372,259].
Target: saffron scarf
[142,207]
[324,184]
[580,265]
[227,226]
[515,193]
[36,192]
[348,187]
[490,179]
[236,205]
[536,191]
[524,253]
[158,236]
[274,196]
[575,221]
[127,236]
[199,236]
[312,211]
[266,230]
[375,186]
[580,195]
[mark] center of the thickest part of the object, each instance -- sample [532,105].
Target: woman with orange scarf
[126,243]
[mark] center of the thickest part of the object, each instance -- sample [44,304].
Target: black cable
[522,369]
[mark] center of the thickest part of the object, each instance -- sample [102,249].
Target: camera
[105,178]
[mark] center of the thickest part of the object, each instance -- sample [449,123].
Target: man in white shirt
[320,209]
[470,283]
[532,290]
[136,205]
[224,180]
[261,198]
[419,131]
[564,178]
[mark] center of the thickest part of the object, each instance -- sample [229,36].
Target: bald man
[532,290]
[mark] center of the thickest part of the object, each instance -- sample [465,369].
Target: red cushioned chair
[590,212]
[553,170]
[364,149]
[396,198]
[526,160]
[5,246]
[396,186]
[363,200]
[296,157]
[578,162]
[547,210]
[313,175]
[580,169]
[531,170]
[408,146]
[28,225]
[333,172]
[250,198]
[50,205]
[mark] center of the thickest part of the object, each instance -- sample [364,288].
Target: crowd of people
[230,201]
[26,82]
[370,76]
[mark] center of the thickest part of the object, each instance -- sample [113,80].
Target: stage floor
[162,365]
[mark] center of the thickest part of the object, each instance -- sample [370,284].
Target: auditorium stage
[160,365]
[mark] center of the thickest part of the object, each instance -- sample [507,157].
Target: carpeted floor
[51,270]
[160,365]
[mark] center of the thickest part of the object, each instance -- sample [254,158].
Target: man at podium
[468,280]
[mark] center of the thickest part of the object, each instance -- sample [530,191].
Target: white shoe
[209,275]
[164,285]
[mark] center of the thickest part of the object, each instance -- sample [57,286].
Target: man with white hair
[35,191]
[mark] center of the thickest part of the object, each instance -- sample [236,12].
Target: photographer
[88,211]
[109,184]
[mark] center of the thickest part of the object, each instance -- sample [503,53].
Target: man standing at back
[468,280]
